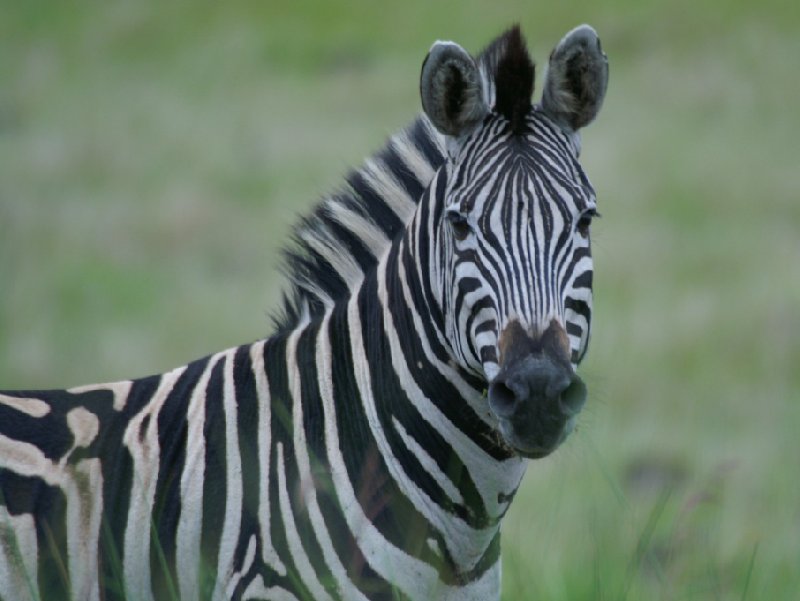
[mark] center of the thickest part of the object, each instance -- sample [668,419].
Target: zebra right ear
[451,89]
[576,79]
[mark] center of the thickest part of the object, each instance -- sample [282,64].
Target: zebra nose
[535,378]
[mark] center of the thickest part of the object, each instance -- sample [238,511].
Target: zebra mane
[345,235]
[347,232]
[508,68]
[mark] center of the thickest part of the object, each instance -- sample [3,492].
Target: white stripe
[190,521]
[268,553]
[413,158]
[84,426]
[32,407]
[233,482]
[25,458]
[144,449]
[388,189]
[84,515]
[312,289]
[327,246]
[302,563]
[367,231]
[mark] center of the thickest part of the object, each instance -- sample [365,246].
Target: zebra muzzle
[536,395]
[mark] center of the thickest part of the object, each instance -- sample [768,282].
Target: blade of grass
[644,541]
[9,538]
[749,573]
[172,590]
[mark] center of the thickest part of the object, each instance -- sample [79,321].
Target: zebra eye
[585,220]
[459,225]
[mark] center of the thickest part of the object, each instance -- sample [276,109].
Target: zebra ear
[451,89]
[576,79]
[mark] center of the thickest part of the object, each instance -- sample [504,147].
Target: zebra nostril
[503,399]
[573,397]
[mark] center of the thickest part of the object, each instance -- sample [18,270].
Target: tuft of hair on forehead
[513,71]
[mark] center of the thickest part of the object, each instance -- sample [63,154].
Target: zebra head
[511,246]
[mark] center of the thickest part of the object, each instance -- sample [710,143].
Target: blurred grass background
[153,157]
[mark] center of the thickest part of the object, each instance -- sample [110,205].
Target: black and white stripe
[353,454]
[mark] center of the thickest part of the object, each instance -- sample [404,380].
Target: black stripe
[247,426]
[214,481]
[314,430]
[48,433]
[282,427]
[578,306]
[421,138]
[380,211]
[394,163]
[117,466]
[584,280]
[172,438]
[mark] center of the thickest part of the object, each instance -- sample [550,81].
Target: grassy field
[153,158]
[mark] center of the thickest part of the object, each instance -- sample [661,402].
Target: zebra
[438,307]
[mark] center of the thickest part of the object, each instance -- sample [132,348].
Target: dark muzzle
[536,395]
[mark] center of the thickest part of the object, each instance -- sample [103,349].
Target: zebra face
[514,257]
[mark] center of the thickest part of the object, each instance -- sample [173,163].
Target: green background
[153,157]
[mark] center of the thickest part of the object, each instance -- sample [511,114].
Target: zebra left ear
[451,89]
[576,79]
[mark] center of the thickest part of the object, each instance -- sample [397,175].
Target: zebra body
[354,454]
[318,464]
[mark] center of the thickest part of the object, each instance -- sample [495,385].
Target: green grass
[153,157]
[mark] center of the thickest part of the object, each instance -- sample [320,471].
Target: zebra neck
[434,443]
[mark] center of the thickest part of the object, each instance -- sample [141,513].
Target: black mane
[511,68]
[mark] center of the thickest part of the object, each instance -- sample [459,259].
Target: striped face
[517,270]
[515,266]
[518,210]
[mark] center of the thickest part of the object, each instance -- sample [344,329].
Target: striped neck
[445,451]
